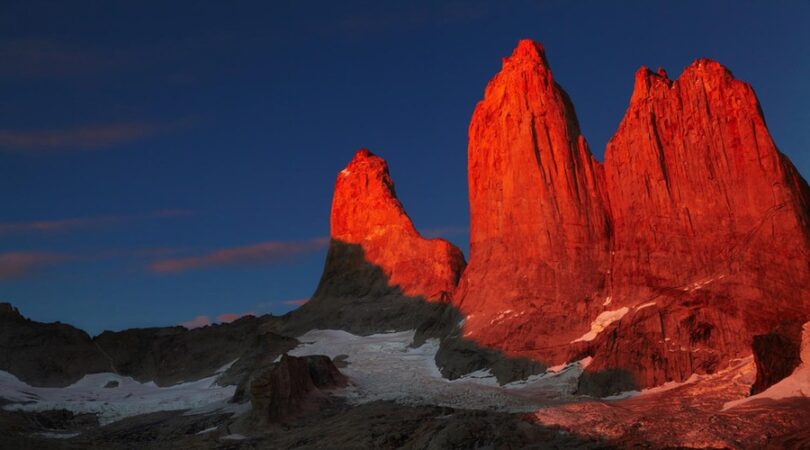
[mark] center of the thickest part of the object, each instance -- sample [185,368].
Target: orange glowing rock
[710,222]
[693,237]
[539,228]
[366,212]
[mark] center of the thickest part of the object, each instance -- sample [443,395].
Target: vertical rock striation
[539,228]
[693,237]
[710,227]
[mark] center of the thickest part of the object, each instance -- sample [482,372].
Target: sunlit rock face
[539,227]
[380,273]
[710,222]
[366,212]
[692,237]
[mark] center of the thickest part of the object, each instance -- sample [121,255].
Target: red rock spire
[699,190]
[694,237]
[710,227]
[539,228]
[366,212]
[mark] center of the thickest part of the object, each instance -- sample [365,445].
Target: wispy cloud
[90,222]
[15,265]
[255,254]
[230,317]
[271,305]
[148,252]
[197,322]
[88,137]
[296,302]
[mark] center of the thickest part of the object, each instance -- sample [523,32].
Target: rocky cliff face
[380,273]
[290,386]
[693,237]
[539,227]
[710,227]
[695,179]
[367,212]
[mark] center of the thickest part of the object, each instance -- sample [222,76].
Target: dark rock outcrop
[291,386]
[46,354]
[57,355]
[172,355]
[777,354]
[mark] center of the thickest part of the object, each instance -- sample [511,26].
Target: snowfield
[385,367]
[380,367]
[129,398]
[601,322]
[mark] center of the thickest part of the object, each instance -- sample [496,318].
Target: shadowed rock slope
[380,273]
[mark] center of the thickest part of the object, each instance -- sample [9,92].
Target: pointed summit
[538,222]
[666,261]
[365,203]
[380,273]
[367,212]
[710,225]
[528,51]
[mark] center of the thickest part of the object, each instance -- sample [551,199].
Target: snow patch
[52,435]
[702,283]
[608,299]
[130,398]
[621,396]
[582,364]
[645,305]
[386,367]
[501,316]
[602,321]
[669,385]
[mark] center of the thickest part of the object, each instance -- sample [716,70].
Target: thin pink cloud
[89,222]
[89,137]
[15,265]
[254,254]
[148,252]
[197,322]
[230,317]
[297,301]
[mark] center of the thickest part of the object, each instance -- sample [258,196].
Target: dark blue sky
[210,134]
